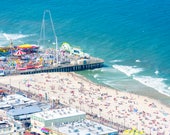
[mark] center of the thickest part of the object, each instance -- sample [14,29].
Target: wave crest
[115,61]
[128,70]
[155,83]
[14,36]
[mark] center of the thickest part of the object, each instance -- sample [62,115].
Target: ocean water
[133,37]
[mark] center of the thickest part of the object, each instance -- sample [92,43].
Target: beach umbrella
[19,53]
[2,91]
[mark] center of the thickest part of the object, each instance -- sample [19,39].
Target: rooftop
[85,127]
[58,113]
[24,110]
[15,100]
[4,124]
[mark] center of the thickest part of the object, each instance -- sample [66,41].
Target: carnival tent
[27,46]
[133,131]
[19,53]
[45,130]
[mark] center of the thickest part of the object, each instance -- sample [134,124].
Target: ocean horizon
[131,36]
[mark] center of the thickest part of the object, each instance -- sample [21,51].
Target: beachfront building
[86,127]
[11,128]
[54,118]
[19,107]
[12,101]
[67,121]
[23,112]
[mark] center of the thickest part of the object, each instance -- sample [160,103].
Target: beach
[74,90]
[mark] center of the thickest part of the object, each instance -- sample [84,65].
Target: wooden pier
[67,67]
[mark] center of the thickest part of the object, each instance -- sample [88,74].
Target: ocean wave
[109,83]
[96,76]
[128,70]
[3,40]
[156,72]
[137,60]
[3,43]
[108,69]
[14,36]
[102,78]
[97,69]
[155,83]
[115,61]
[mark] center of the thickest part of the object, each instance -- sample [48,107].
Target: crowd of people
[119,108]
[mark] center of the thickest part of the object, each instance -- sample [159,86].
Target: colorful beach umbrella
[2,91]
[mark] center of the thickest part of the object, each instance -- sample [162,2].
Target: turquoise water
[133,37]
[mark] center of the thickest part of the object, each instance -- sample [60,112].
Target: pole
[124,123]
[11,46]
[57,50]
[19,85]
[10,82]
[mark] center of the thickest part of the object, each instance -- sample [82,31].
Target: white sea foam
[155,83]
[3,43]
[109,83]
[96,76]
[115,61]
[156,72]
[97,69]
[3,40]
[128,70]
[110,70]
[138,60]
[14,36]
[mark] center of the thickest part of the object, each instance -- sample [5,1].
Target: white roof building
[86,127]
[57,117]
[9,128]
[67,121]
[15,100]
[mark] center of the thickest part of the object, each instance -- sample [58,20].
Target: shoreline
[148,92]
[77,91]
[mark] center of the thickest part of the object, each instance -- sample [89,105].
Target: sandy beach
[74,90]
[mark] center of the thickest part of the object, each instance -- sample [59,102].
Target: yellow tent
[25,46]
[133,131]
[4,49]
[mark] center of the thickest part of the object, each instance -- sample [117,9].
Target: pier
[67,67]
[30,59]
